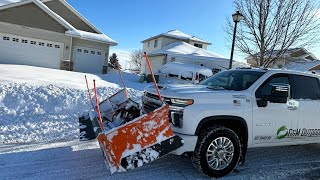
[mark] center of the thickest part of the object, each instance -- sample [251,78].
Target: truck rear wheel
[217,151]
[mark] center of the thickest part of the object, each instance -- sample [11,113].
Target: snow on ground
[39,134]
[43,105]
[84,160]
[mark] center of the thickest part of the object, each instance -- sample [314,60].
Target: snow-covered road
[83,160]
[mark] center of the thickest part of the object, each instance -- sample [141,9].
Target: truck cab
[235,109]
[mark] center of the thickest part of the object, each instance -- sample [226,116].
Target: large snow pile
[39,104]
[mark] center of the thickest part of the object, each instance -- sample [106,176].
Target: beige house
[51,34]
[291,55]
[176,46]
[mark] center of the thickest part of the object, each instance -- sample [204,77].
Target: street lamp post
[237,17]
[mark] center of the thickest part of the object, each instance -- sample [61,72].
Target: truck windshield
[237,80]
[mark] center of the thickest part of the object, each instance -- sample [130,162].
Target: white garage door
[88,60]
[29,51]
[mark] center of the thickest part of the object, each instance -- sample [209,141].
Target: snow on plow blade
[138,142]
[116,110]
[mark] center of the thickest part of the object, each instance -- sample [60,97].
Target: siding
[69,16]
[152,48]
[30,15]
[156,63]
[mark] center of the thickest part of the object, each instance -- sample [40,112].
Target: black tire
[207,136]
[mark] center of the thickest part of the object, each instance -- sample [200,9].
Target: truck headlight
[182,101]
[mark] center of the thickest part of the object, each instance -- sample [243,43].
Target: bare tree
[270,27]
[136,57]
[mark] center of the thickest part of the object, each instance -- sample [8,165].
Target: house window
[24,41]
[6,38]
[99,53]
[198,45]
[49,45]
[57,46]
[93,52]
[41,44]
[32,42]
[86,51]
[156,43]
[15,39]
[79,50]
[148,43]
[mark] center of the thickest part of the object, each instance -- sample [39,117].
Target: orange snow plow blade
[127,138]
[140,141]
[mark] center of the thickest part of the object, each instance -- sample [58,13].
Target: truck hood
[181,91]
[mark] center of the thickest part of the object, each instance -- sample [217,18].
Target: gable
[30,15]
[69,16]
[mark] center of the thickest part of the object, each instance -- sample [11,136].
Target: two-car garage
[49,54]
[29,51]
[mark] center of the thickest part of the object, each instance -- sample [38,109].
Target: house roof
[71,31]
[90,36]
[182,48]
[305,65]
[294,52]
[178,35]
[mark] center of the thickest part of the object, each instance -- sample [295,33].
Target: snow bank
[39,104]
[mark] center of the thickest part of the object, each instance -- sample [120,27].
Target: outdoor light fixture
[237,17]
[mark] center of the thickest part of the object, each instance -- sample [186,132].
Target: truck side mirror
[279,94]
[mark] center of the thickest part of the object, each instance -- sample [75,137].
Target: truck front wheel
[217,151]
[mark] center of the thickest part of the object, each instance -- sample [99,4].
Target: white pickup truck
[225,114]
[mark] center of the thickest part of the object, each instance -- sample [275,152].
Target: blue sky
[131,21]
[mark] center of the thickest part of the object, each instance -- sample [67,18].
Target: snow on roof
[91,36]
[239,64]
[178,68]
[302,66]
[182,48]
[179,35]
[72,31]
[6,2]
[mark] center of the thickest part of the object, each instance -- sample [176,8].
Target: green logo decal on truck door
[282,132]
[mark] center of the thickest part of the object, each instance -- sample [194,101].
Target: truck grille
[150,102]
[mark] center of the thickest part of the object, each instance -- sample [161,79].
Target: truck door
[272,123]
[306,90]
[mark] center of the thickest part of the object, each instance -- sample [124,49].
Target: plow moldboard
[133,137]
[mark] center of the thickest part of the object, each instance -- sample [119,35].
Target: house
[291,55]
[296,59]
[176,46]
[51,34]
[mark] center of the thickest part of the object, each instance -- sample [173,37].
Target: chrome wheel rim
[220,153]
